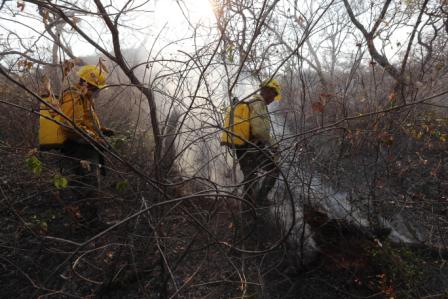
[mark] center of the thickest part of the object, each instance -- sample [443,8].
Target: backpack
[51,134]
[237,131]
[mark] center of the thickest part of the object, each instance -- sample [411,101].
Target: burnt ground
[42,249]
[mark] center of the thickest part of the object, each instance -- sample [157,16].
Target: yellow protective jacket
[255,126]
[78,106]
[260,122]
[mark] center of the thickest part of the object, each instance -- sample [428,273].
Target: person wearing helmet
[258,155]
[78,105]
[82,160]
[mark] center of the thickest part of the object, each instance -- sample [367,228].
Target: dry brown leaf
[20,5]
[45,89]
[45,16]
[386,138]
[392,97]
[75,21]
[435,170]
[102,65]
[318,107]
[32,152]
[86,165]
[73,211]
[67,66]
[326,95]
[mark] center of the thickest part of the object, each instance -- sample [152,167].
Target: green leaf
[118,142]
[43,226]
[121,186]
[60,182]
[230,53]
[34,165]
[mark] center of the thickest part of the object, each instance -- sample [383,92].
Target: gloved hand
[107,132]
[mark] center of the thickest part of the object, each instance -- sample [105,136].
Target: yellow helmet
[93,75]
[274,85]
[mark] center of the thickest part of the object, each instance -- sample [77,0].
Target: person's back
[260,122]
[257,153]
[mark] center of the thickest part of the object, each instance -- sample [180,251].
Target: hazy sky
[164,18]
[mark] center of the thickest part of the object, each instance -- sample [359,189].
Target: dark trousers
[258,166]
[80,165]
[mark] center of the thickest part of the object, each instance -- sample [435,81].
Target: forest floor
[45,252]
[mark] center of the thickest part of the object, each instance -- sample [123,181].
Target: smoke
[306,188]
[190,113]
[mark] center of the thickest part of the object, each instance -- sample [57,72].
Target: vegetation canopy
[359,206]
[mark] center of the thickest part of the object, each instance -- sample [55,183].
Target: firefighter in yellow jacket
[254,146]
[82,159]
